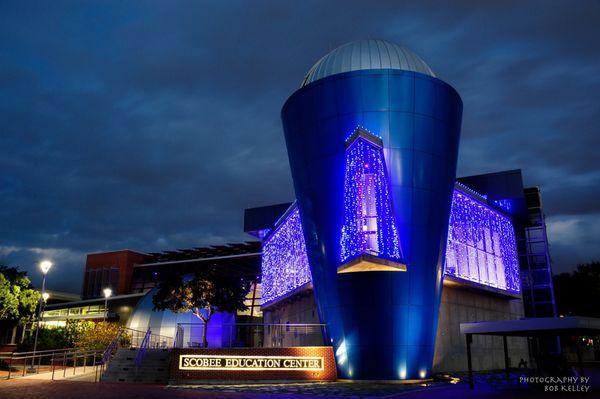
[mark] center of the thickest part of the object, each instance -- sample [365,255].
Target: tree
[209,290]
[578,293]
[18,299]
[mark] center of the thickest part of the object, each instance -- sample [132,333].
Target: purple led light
[481,245]
[369,224]
[284,263]
[481,248]
[504,204]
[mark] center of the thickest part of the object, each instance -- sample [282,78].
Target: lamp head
[45,265]
[45,296]
[107,292]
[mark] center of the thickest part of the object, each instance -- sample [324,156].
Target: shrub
[100,336]
[76,334]
[48,338]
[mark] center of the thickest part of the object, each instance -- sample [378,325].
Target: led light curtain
[481,241]
[369,224]
[481,245]
[284,261]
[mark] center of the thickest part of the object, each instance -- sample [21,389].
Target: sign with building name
[250,363]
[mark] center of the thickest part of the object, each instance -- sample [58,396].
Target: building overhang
[467,285]
[93,301]
[370,263]
[195,260]
[304,289]
[536,326]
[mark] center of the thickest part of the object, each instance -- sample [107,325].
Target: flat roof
[534,326]
[90,301]
[116,251]
[197,253]
[193,260]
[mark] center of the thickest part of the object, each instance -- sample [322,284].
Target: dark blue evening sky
[152,125]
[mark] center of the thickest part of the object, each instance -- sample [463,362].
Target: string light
[369,225]
[284,262]
[481,245]
[504,204]
[481,241]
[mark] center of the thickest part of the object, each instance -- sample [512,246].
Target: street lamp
[45,297]
[107,293]
[45,266]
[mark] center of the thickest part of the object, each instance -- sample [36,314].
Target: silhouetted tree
[578,293]
[209,290]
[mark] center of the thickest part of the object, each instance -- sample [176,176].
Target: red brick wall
[123,260]
[326,352]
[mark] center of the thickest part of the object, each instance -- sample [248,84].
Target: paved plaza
[83,387]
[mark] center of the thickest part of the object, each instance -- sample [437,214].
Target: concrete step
[135,379]
[145,362]
[153,369]
[142,366]
[149,354]
[140,370]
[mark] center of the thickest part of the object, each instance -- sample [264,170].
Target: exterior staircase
[153,369]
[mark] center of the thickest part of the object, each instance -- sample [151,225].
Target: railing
[73,357]
[142,350]
[112,347]
[250,335]
[19,364]
[155,341]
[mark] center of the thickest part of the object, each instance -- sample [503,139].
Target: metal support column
[470,365]
[579,357]
[506,360]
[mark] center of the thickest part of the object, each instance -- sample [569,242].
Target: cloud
[151,125]
[573,240]
[65,272]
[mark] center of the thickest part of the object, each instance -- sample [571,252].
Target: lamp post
[107,293]
[45,266]
[45,297]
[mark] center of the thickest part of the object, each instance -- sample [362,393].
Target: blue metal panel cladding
[382,324]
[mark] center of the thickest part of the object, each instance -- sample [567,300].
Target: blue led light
[361,129]
[284,262]
[481,242]
[504,204]
[481,245]
[369,224]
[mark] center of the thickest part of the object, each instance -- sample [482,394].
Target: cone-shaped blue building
[372,137]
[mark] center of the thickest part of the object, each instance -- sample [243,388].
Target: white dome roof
[366,54]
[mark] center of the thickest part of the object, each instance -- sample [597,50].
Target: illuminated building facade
[380,224]
[284,262]
[481,278]
[481,243]
[391,93]
[481,250]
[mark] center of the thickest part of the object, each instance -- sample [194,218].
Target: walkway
[69,389]
[79,373]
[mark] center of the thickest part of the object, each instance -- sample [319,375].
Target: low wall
[463,306]
[240,364]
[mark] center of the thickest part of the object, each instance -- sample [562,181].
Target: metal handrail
[270,334]
[165,338]
[38,352]
[142,350]
[262,324]
[52,355]
[111,347]
[62,357]
[74,356]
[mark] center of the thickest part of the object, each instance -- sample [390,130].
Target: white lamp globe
[45,265]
